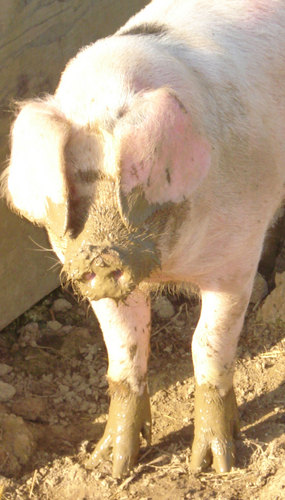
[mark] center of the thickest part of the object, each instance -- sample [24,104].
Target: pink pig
[160,159]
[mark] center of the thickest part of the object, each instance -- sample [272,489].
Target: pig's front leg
[126,330]
[214,347]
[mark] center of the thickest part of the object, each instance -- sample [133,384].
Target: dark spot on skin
[211,348]
[121,112]
[135,328]
[110,122]
[88,176]
[132,351]
[168,178]
[146,29]
[134,171]
[181,106]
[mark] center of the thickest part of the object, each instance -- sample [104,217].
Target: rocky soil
[54,401]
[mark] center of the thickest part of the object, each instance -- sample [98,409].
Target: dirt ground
[55,402]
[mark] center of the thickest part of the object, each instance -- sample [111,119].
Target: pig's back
[248,34]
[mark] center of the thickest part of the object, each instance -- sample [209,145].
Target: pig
[159,160]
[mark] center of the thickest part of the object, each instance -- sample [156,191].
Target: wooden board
[37,38]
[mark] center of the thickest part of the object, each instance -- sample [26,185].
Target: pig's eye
[88,276]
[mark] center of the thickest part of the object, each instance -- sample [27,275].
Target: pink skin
[166,156]
[126,330]
[216,336]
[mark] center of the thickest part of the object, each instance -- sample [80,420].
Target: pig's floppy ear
[35,174]
[162,156]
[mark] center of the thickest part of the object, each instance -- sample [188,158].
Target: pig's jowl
[160,159]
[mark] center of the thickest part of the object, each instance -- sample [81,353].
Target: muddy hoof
[129,415]
[216,424]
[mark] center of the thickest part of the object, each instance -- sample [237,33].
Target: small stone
[4,369]
[7,391]
[89,357]
[61,305]
[103,383]
[168,349]
[67,328]
[280,261]
[163,307]
[47,378]
[31,327]
[84,406]
[31,408]
[17,444]
[75,341]
[273,308]
[93,380]
[54,325]
[63,388]
[69,395]
[260,289]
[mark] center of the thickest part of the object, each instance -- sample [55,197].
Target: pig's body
[163,154]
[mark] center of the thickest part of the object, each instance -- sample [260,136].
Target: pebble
[260,289]
[273,308]
[4,369]
[70,395]
[17,444]
[61,305]
[163,307]
[89,356]
[7,391]
[63,388]
[54,325]
[30,408]
[168,349]
[67,328]
[31,327]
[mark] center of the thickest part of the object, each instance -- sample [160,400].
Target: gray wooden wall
[37,38]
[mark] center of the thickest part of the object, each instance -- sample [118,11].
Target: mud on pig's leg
[126,331]
[214,347]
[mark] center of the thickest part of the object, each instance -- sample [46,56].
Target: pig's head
[104,194]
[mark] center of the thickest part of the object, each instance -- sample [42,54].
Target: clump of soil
[54,363]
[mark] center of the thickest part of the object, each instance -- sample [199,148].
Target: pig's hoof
[129,415]
[216,424]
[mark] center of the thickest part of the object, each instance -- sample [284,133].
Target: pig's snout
[107,276]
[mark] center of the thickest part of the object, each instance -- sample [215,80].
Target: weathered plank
[37,38]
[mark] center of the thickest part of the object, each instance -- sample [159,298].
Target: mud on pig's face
[105,255]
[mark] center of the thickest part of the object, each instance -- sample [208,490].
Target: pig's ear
[162,157]
[35,174]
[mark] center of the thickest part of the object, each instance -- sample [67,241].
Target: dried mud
[57,364]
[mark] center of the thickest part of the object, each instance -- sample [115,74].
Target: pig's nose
[89,276]
[107,277]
